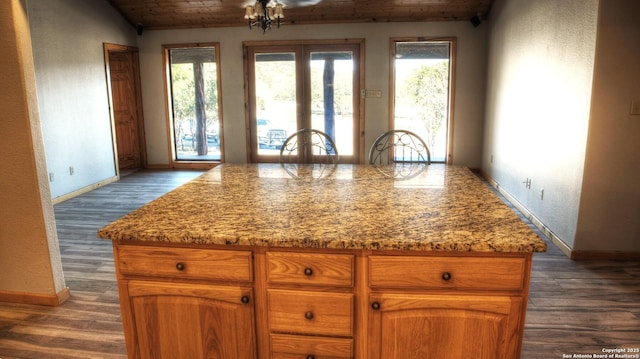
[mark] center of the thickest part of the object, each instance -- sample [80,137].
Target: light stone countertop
[442,208]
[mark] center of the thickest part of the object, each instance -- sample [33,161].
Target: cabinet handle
[308,272]
[446,276]
[245,299]
[311,357]
[180,266]
[308,315]
[375,305]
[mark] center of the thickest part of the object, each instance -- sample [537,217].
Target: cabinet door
[441,326]
[176,320]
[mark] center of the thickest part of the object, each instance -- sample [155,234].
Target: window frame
[173,161]
[452,81]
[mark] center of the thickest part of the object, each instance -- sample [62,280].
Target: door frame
[174,162]
[358,135]
[451,91]
[108,49]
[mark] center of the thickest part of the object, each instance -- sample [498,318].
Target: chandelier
[263,13]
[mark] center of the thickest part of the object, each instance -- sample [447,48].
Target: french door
[292,86]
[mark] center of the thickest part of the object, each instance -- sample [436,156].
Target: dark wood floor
[574,307]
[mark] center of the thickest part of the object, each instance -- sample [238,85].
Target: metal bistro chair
[400,154]
[309,146]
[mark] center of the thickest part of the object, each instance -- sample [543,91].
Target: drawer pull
[308,272]
[244,299]
[311,357]
[180,266]
[446,276]
[375,305]
[308,315]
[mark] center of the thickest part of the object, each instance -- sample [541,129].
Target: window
[294,86]
[193,89]
[421,87]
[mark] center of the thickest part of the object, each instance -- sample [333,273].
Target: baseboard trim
[608,255]
[158,167]
[84,190]
[559,243]
[51,300]
[573,254]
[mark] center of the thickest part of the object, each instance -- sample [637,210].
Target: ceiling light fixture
[263,13]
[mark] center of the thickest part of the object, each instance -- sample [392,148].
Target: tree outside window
[194,102]
[421,92]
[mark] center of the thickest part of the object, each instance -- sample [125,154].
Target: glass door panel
[331,107]
[194,102]
[422,80]
[275,100]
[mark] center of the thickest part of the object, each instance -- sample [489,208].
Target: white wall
[67,37]
[610,209]
[470,79]
[541,62]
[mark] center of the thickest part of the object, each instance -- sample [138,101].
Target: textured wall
[610,209]
[541,61]
[470,79]
[29,256]
[68,38]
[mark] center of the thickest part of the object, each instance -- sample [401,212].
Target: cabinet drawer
[310,268]
[319,313]
[193,263]
[478,273]
[298,347]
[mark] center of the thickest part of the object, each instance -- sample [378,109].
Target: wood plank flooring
[574,307]
[87,325]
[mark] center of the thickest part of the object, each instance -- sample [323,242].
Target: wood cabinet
[444,326]
[175,320]
[186,303]
[311,304]
[264,302]
[446,307]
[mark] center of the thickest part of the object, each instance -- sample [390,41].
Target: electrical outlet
[71,171]
[51,177]
[635,107]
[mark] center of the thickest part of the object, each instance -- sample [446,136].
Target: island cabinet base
[213,301]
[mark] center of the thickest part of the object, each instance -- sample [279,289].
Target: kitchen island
[254,261]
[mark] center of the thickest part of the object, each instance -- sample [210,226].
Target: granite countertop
[442,208]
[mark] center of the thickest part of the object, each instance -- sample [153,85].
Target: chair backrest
[309,146]
[399,146]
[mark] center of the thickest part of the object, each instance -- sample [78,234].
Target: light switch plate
[373,93]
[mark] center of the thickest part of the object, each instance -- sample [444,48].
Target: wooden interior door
[127,107]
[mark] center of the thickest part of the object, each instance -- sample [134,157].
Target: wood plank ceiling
[168,14]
